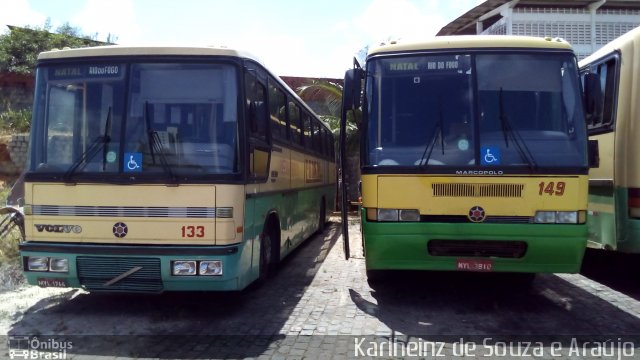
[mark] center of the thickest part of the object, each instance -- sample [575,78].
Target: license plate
[474,265]
[52,282]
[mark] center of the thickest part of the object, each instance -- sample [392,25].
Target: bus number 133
[192,231]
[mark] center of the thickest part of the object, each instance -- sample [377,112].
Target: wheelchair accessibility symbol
[490,155]
[132,162]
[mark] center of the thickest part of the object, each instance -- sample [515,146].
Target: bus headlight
[183,268]
[393,215]
[59,264]
[560,217]
[210,267]
[409,215]
[38,263]
[387,214]
[545,217]
[567,217]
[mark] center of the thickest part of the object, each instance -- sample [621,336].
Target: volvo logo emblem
[476,214]
[120,230]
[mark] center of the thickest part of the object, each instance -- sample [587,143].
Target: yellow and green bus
[474,155]
[614,187]
[156,169]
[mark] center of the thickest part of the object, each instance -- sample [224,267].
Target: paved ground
[321,306]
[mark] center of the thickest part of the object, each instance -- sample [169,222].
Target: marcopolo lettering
[59,228]
[479,172]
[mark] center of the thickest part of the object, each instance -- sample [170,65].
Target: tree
[19,47]
[331,93]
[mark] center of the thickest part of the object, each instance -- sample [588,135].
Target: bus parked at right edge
[614,187]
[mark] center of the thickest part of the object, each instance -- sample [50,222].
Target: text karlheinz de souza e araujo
[613,348]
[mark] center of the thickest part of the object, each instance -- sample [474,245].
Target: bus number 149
[192,231]
[552,188]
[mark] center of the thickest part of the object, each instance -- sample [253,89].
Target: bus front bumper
[405,246]
[127,268]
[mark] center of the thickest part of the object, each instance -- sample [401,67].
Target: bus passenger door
[258,152]
[257,124]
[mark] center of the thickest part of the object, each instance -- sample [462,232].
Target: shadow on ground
[180,325]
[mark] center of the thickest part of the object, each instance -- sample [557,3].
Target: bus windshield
[475,110]
[139,119]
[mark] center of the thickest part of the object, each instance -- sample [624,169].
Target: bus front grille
[477,190]
[97,274]
[477,248]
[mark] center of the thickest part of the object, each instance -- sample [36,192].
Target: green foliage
[18,121]
[331,93]
[19,47]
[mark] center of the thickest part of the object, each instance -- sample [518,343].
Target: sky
[291,37]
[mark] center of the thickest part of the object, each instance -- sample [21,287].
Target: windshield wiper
[107,138]
[155,146]
[95,146]
[508,130]
[432,142]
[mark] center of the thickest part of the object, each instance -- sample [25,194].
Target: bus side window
[257,113]
[277,111]
[606,72]
[256,107]
[294,124]
[308,132]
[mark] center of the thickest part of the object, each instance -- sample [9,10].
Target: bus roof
[122,50]
[470,42]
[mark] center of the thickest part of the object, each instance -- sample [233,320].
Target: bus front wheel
[265,257]
[268,252]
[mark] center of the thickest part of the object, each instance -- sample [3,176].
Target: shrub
[15,121]
[9,253]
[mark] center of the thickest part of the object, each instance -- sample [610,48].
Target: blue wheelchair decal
[490,155]
[132,162]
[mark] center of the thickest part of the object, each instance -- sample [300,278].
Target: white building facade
[587,25]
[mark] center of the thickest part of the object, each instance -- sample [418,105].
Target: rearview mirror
[352,89]
[593,98]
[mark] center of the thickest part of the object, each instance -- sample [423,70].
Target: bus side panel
[293,191]
[253,224]
[270,194]
[628,228]
[295,206]
[601,217]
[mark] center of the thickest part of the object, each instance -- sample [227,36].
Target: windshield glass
[149,118]
[468,110]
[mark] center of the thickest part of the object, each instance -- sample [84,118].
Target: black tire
[266,260]
[375,277]
[269,249]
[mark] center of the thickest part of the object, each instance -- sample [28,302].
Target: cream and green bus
[474,155]
[614,187]
[158,169]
